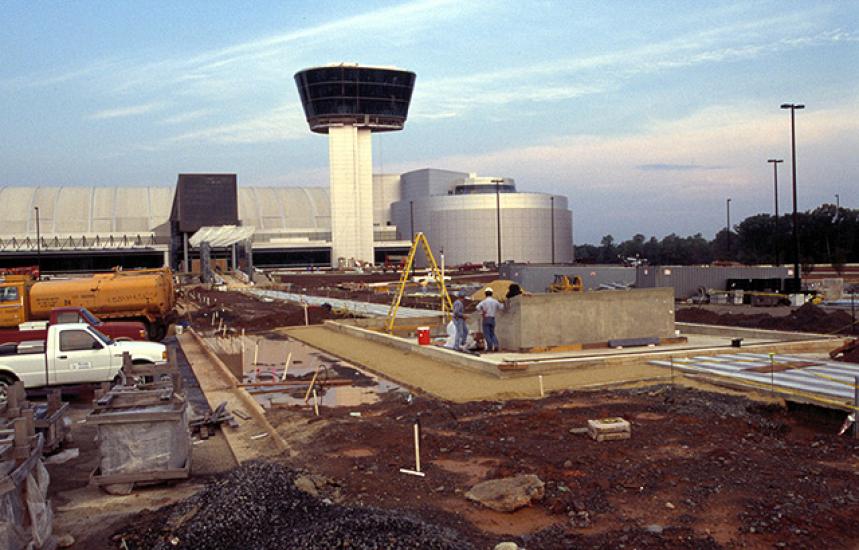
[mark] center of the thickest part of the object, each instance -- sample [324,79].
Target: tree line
[827,235]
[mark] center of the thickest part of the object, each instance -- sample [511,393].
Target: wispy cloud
[130,110]
[186,116]
[281,123]
[668,167]
[563,79]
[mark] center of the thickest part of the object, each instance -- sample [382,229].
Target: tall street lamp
[38,244]
[793,108]
[497,183]
[775,163]
[552,222]
[728,227]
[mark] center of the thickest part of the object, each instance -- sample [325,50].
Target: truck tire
[6,380]
[157,331]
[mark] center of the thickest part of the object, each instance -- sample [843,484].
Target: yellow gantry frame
[446,304]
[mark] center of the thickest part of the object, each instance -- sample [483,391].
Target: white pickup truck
[74,353]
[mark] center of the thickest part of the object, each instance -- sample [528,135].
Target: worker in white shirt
[488,308]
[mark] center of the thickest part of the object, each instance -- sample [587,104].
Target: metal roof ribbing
[827,379]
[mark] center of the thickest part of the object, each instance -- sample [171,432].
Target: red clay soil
[701,470]
[241,311]
[808,318]
[348,286]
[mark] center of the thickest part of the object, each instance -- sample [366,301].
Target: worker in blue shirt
[488,308]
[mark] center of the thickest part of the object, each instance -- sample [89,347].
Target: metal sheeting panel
[686,279]
[536,278]
[826,380]
[365,309]
[221,236]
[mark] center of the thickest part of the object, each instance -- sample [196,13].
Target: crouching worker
[459,322]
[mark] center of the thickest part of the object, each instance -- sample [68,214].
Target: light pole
[775,163]
[552,222]
[497,183]
[837,203]
[38,244]
[728,227]
[793,108]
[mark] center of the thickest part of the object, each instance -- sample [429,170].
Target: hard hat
[488,289]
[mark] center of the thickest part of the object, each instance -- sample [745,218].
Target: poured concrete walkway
[457,384]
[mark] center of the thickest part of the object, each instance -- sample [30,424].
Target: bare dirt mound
[808,318]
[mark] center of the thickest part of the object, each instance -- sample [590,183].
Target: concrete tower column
[351,179]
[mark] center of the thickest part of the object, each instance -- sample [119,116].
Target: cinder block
[609,429]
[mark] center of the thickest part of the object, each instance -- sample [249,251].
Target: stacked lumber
[25,511]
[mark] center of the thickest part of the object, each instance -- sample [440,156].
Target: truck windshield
[106,339]
[9,294]
[90,318]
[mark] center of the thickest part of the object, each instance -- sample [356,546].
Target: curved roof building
[104,211]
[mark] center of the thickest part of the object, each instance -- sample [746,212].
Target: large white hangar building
[98,228]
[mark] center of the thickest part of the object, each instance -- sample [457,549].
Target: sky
[647,115]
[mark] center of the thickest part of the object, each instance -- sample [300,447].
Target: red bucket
[423,336]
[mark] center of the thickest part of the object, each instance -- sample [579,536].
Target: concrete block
[609,429]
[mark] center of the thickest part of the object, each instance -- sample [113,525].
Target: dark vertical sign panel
[206,200]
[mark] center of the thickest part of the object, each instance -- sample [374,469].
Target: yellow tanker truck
[144,295]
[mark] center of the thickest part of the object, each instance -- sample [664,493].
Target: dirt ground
[351,287]
[91,516]
[808,318]
[701,470]
[241,311]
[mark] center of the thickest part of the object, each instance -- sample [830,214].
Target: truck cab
[74,353]
[13,300]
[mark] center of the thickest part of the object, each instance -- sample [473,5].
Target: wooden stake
[256,352]
[286,366]
[315,402]
[306,318]
[417,471]
[542,393]
[312,382]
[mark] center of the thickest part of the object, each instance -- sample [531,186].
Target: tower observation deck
[349,102]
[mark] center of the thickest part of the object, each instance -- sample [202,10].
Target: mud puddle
[261,365]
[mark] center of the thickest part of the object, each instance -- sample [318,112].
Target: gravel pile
[257,506]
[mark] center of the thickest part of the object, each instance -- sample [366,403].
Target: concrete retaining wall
[549,320]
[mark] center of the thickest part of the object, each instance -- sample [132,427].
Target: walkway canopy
[221,236]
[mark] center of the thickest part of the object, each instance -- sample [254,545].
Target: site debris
[284,414]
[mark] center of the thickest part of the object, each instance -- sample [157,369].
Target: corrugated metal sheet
[536,277]
[828,381]
[686,279]
[221,236]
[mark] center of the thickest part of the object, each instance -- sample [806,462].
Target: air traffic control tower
[349,102]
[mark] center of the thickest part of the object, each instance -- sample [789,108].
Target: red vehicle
[38,330]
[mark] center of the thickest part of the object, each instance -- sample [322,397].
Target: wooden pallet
[123,484]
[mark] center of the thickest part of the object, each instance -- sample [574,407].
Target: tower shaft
[351,179]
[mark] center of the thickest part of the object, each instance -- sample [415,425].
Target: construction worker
[459,322]
[488,308]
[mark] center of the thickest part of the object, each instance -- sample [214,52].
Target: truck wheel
[157,331]
[6,380]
